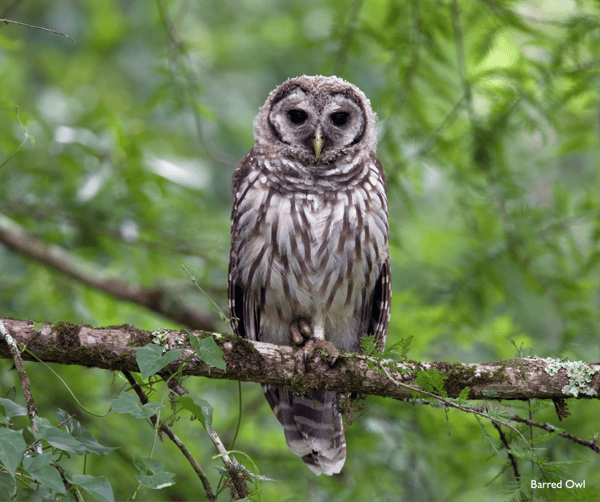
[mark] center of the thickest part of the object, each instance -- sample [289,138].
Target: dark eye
[297,116]
[339,118]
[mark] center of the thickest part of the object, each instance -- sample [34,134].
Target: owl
[309,247]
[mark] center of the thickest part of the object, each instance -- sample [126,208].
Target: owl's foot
[300,331]
[316,348]
[313,347]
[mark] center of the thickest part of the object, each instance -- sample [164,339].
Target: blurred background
[116,155]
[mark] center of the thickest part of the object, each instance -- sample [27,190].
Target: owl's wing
[245,314]
[377,315]
[243,307]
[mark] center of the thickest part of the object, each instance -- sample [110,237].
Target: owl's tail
[313,426]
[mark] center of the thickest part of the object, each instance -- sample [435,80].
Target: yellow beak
[318,143]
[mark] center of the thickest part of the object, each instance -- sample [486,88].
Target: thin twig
[552,428]
[20,366]
[68,485]
[26,137]
[167,430]
[238,486]
[516,418]
[507,446]
[7,21]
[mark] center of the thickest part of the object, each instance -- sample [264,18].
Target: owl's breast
[311,240]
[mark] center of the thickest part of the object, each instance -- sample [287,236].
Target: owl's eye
[297,116]
[339,118]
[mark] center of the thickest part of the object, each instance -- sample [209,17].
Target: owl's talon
[300,332]
[305,330]
[321,349]
[297,337]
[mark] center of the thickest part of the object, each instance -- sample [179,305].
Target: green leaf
[156,481]
[50,478]
[151,475]
[63,418]
[208,351]
[80,433]
[150,359]
[126,403]
[147,465]
[432,381]
[97,486]
[12,447]
[464,395]
[76,439]
[401,348]
[7,486]
[199,407]
[12,409]
[60,439]
[36,462]
[89,442]
[369,347]
[32,493]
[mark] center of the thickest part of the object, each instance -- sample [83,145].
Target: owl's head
[316,120]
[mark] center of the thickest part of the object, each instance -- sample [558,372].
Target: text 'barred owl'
[309,247]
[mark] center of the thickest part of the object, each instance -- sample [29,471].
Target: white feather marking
[252,177]
[318,327]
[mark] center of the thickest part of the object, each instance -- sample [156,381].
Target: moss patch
[67,335]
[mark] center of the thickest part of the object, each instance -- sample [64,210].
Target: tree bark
[114,348]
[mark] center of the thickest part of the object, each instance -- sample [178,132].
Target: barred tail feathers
[312,425]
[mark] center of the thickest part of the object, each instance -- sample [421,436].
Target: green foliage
[463,396]
[208,351]
[432,381]
[98,486]
[489,138]
[32,466]
[400,349]
[370,347]
[126,403]
[152,358]
[151,473]
[199,408]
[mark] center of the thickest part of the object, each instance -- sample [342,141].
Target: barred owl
[309,247]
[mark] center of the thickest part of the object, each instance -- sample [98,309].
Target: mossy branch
[114,348]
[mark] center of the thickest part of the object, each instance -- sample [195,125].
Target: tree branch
[157,300]
[114,348]
[7,21]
